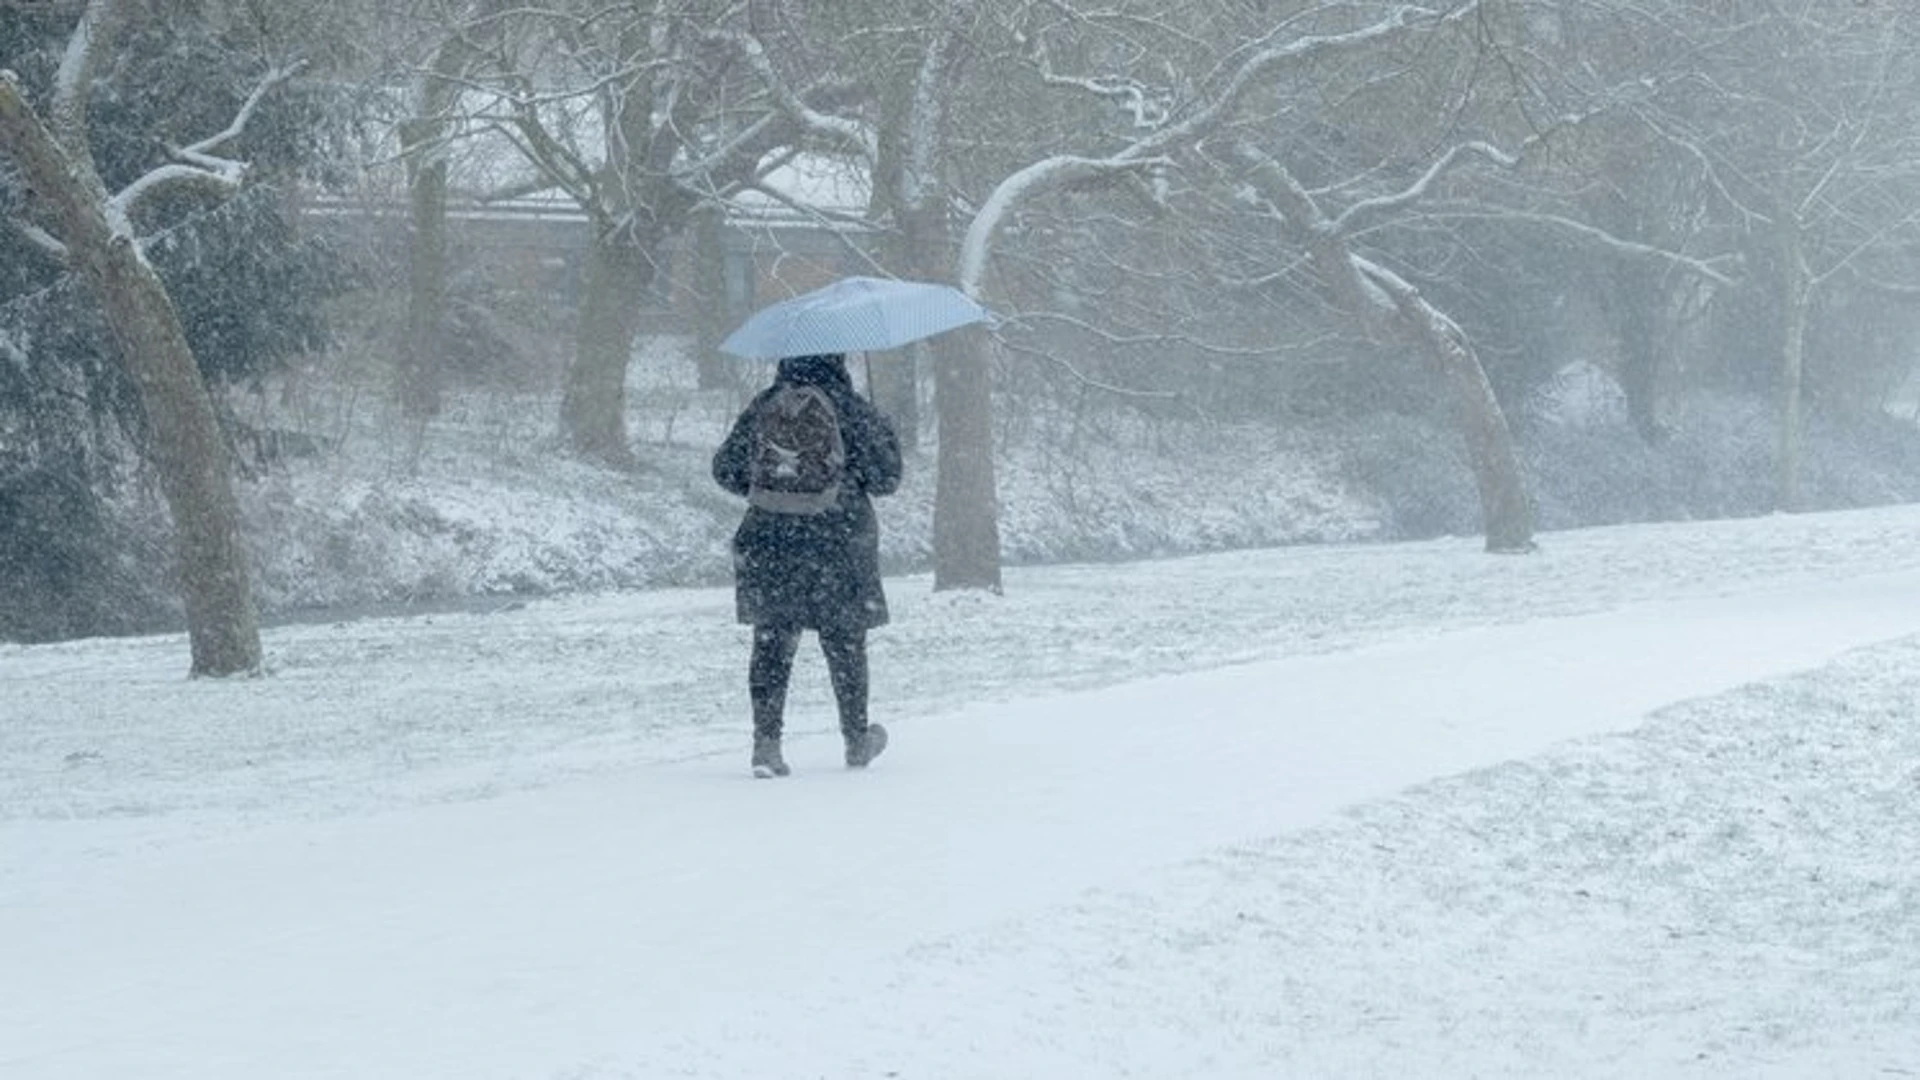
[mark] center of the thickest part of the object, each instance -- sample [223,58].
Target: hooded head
[829,369]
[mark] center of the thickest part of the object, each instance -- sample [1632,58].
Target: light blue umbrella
[855,314]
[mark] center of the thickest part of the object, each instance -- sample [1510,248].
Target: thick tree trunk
[1505,509]
[222,625]
[922,251]
[966,513]
[1793,351]
[921,255]
[910,182]
[713,317]
[187,450]
[1637,300]
[423,358]
[593,411]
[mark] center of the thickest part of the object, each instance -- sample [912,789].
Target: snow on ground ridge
[1588,905]
[517,845]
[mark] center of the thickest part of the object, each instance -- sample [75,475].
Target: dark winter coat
[814,570]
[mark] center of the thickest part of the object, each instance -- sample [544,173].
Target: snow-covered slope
[1382,810]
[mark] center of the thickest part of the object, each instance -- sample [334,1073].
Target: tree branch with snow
[528,134]
[1148,108]
[42,241]
[1155,148]
[1248,74]
[1355,217]
[1709,268]
[199,165]
[1049,174]
[841,130]
[67,108]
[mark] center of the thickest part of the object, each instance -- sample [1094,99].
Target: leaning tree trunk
[966,518]
[222,625]
[187,451]
[1506,511]
[593,412]
[1504,506]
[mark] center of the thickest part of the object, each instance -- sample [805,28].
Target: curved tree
[1165,123]
[77,221]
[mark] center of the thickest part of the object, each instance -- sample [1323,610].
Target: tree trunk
[187,450]
[222,625]
[966,514]
[593,411]
[421,378]
[895,382]
[910,181]
[713,316]
[1504,506]
[1506,511]
[924,252]
[1637,298]
[1797,296]
[422,360]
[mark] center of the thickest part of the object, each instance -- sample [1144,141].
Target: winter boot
[767,762]
[864,746]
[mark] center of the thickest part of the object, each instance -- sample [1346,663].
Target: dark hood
[826,371]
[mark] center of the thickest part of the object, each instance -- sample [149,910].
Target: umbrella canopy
[855,314]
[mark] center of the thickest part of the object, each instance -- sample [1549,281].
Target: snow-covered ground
[1643,804]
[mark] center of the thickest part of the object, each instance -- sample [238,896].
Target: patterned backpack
[798,454]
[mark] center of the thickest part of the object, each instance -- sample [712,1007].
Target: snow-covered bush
[1589,466]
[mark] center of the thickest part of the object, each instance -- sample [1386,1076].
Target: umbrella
[855,314]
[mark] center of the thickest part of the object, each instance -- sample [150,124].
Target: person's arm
[874,458]
[732,463]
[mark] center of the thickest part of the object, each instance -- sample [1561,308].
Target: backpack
[798,455]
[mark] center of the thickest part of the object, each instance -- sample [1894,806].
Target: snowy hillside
[488,505]
[481,504]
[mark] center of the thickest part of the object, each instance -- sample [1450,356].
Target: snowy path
[613,919]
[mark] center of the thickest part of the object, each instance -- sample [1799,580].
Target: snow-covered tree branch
[1156,147]
[1711,268]
[198,165]
[47,243]
[1356,217]
[1050,174]
[836,130]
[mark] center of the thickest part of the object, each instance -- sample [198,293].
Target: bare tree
[641,113]
[1386,300]
[1792,126]
[426,139]
[1164,120]
[92,231]
[918,83]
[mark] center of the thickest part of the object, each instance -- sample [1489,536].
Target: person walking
[809,453]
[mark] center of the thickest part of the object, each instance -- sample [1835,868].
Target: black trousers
[772,668]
